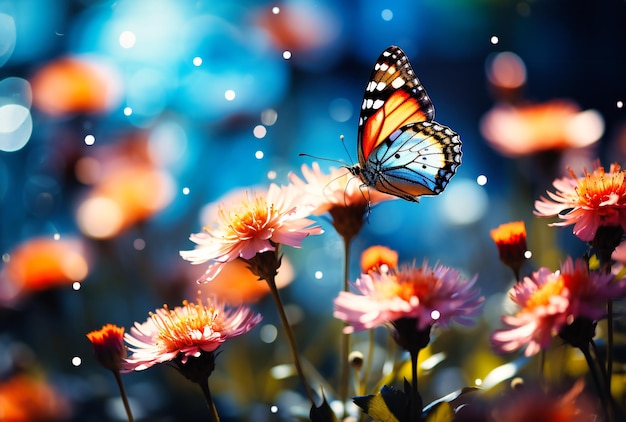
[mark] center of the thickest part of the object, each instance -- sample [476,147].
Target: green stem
[214,417]
[344,348]
[120,384]
[271,281]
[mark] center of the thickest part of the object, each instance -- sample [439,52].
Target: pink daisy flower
[549,301]
[338,188]
[254,224]
[428,295]
[185,331]
[595,200]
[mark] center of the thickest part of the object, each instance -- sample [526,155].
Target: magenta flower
[254,224]
[428,295]
[549,301]
[185,331]
[595,200]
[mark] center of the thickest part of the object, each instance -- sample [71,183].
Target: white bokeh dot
[494,40]
[286,54]
[90,139]
[76,361]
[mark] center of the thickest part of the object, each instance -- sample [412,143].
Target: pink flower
[550,301]
[340,194]
[185,332]
[595,200]
[338,188]
[255,224]
[428,295]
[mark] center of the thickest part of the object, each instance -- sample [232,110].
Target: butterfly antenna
[343,142]
[343,163]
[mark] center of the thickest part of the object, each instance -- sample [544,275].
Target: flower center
[598,188]
[541,297]
[180,327]
[250,219]
[407,284]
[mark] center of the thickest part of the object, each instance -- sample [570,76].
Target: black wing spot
[397,156]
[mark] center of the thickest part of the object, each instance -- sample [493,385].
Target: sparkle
[128,111]
[229,95]
[76,286]
[319,275]
[259,131]
[494,40]
[139,244]
[127,39]
[286,54]
[197,61]
[276,10]
[481,180]
[90,139]
[268,333]
[76,361]
[186,190]
[259,154]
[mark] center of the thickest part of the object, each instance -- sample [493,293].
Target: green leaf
[441,412]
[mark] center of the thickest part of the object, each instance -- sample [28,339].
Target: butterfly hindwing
[402,150]
[417,159]
[393,97]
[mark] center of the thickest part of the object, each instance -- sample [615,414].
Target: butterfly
[402,151]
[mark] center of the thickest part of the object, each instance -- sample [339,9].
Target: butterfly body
[402,151]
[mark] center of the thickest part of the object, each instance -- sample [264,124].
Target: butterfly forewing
[393,97]
[418,159]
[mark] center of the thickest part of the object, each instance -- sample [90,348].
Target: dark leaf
[389,405]
[323,413]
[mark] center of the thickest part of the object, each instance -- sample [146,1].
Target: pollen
[541,297]
[185,326]
[599,188]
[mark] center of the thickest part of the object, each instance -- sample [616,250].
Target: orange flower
[43,263]
[26,399]
[376,258]
[526,129]
[108,346]
[510,238]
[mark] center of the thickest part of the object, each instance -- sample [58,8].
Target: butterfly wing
[393,98]
[417,159]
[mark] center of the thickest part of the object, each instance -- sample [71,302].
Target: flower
[184,332]
[335,189]
[428,295]
[377,258]
[510,238]
[25,399]
[596,200]
[257,224]
[340,194]
[108,346]
[530,128]
[550,301]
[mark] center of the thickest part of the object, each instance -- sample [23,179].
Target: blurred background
[121,120]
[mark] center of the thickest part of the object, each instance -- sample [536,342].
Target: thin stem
[214,417]
[344,348]
[416,399]
[120,385]
[370,359]
[600,386]
[292,343]
[609,344]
